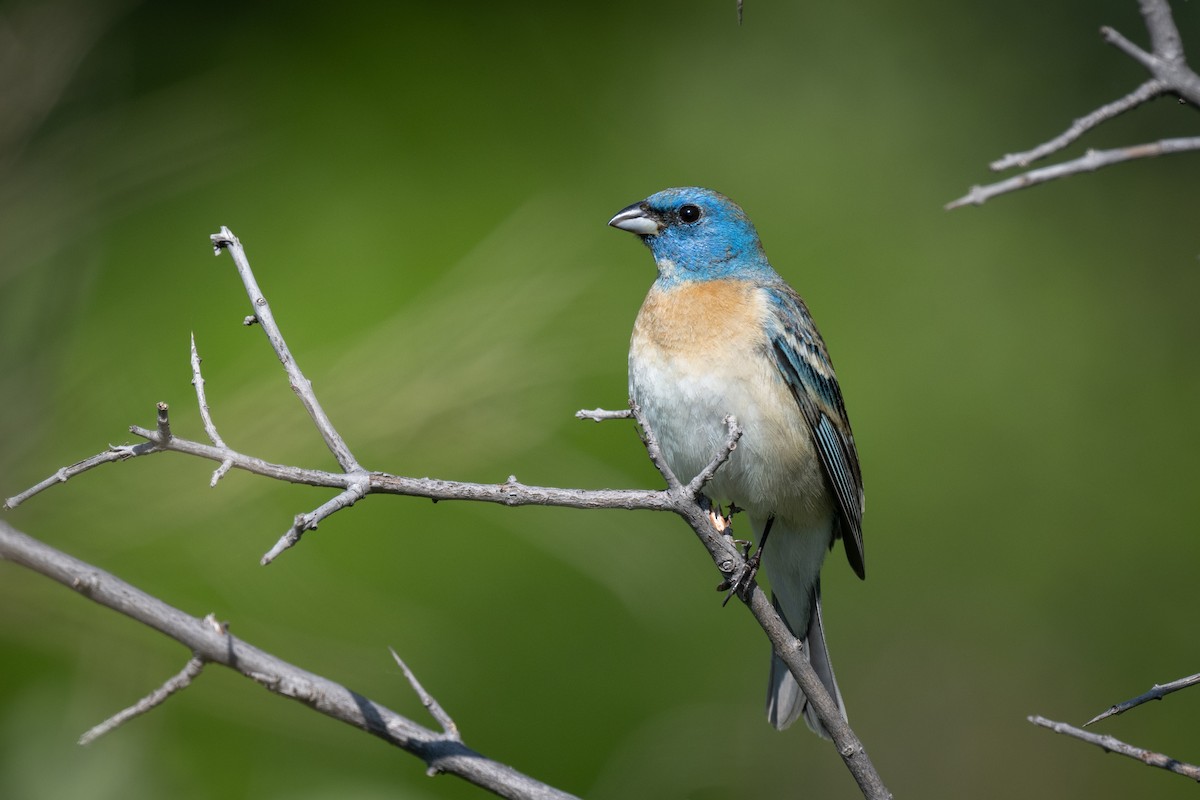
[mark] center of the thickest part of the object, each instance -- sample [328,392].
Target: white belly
[774,471]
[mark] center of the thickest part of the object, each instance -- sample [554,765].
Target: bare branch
[681,499]
[1113,745]
[1147,91]
[308,522]
[1089,162]
[302,386]
[1170,74]
[113,453]
[509,493]
[791,651]
[174,684]
[441,751]
[1158,692]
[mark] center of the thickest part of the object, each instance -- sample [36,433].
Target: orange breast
[708,320]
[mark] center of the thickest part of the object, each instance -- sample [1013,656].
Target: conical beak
[638,219]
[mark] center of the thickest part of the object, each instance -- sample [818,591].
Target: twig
[1170,74]
[302,386]
[1089,162]
[600,414]
[308,522]
[210,427]
[440,751]
[733,434]
[174,684]
[1158,692]
[435,709]
[1113,745]
[653,450]
[509,493]
[1147,91]
[113,453]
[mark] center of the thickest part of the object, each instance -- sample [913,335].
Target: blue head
[696,234]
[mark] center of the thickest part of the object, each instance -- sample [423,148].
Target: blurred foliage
[422,189]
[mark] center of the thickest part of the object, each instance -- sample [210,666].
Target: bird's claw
[740,581]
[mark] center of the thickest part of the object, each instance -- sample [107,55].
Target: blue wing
[804,364]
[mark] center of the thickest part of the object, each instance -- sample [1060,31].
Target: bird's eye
[689,213]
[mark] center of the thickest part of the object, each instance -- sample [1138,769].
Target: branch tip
[156,698]
[223,239]
[1157,692]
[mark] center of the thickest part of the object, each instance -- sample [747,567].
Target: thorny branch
[1157,692]
[1170,75]
[354,483]
[212,644]
[1111,744]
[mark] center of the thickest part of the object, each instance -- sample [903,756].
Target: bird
[722,333]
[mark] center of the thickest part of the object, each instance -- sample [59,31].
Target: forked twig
[1170,74]
[302,386]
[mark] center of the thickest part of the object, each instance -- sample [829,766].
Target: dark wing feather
[804,364]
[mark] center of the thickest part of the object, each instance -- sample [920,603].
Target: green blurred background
[422,189]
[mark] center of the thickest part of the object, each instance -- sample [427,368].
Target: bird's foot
[742,579]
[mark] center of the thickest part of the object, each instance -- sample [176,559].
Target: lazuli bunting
[721,333]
